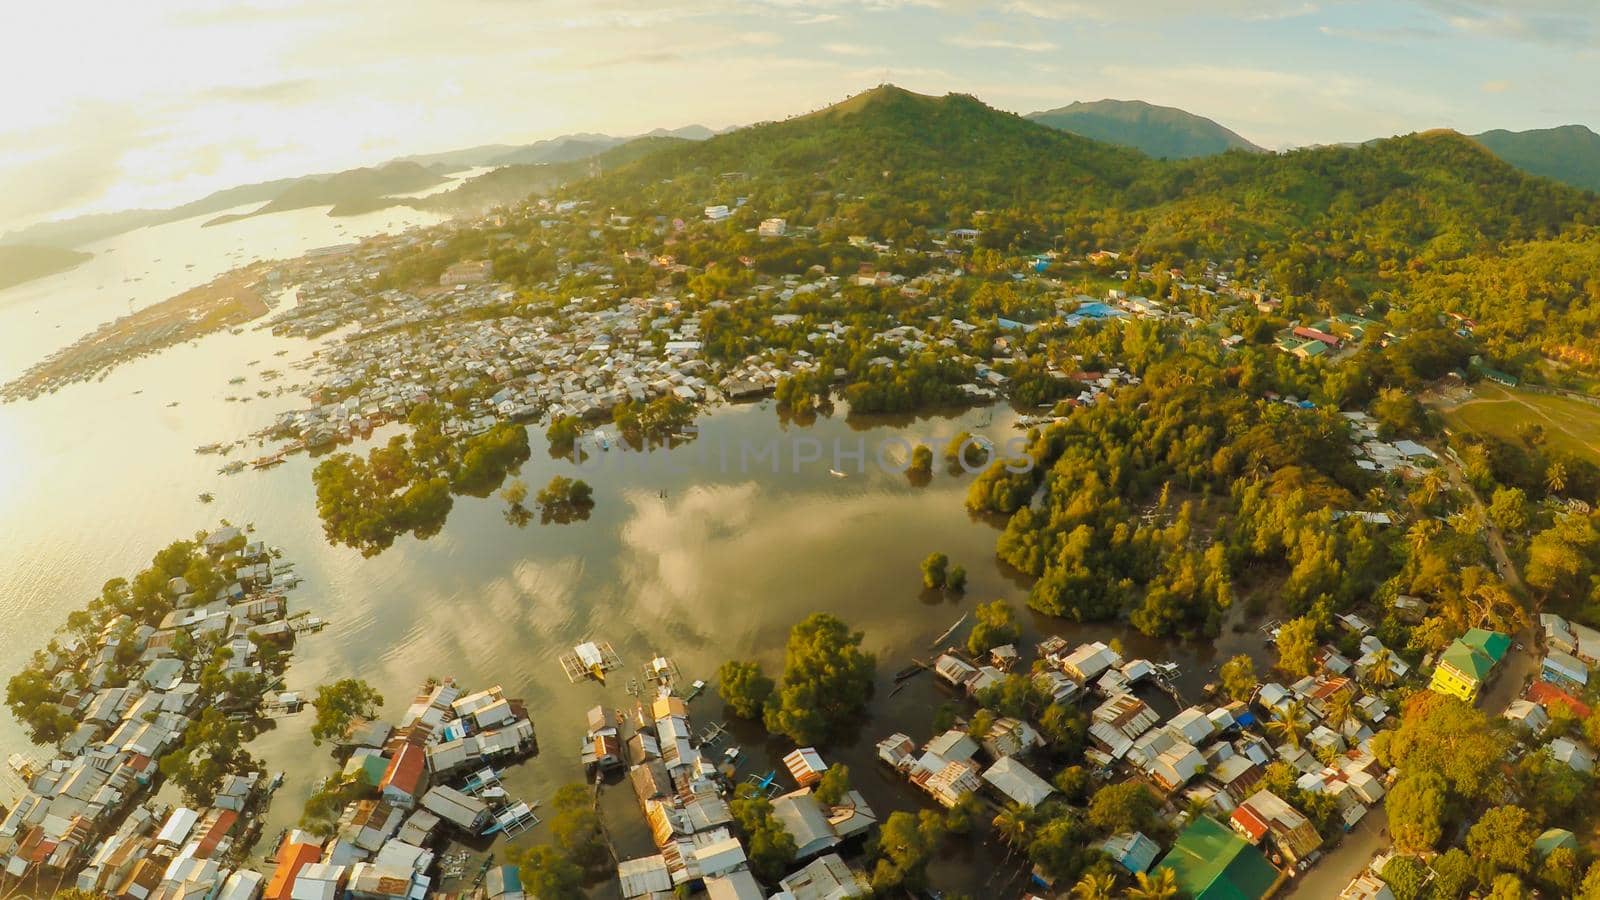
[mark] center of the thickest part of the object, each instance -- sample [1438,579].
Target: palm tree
[1422,534]
[1290,723]
[1012,823]
[1433,484]
[1555,478]
[1094,887]
[1341,709]
[1161,886]
[1381,673]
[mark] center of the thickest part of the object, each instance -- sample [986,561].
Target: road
[1341,865]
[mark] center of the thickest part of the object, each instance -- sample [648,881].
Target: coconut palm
[1420,535]
[1094,887]
[1433,484]
[1290,723]
[1341,709]
[1161,886]
[1013,826]
[1381,672]
[1555,478]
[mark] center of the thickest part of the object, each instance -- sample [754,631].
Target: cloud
[979,43]
[1560,22]
[850,49]
[1495,87]
[1391,35]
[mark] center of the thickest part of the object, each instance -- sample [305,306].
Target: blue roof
[1098,311]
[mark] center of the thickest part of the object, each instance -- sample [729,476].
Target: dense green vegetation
[827,680]
[340,705]
[407,485]
[1569,153]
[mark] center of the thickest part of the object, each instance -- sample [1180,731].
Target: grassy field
[1568,424]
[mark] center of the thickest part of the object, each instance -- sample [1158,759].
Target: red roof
[405,771]
[1245,819]
[1316,335]
[218,829]
[291,859]
[1544,693]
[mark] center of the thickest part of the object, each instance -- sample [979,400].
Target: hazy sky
[119,103]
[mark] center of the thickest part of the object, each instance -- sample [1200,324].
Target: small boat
[949,631]
[695,690]
[208,448]
[205,497]
[917,667]
[837,474]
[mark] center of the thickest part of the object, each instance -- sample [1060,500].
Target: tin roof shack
[1017,783]
[806,765]
[827,877]
[1266,815]
[1116,723]
[462,810]
[1131,850]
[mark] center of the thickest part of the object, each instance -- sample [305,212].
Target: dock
[590,660]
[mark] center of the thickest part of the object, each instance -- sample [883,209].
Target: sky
[114,105]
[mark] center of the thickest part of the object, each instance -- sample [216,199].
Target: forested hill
[1569,154]
[1425,221]
[906,151]
[1162,132]
[890,154]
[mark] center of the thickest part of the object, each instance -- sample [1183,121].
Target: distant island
[25,262]
[347,193]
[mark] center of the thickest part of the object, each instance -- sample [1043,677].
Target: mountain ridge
[1161,132]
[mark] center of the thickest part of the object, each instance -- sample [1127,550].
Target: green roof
[1492,643]
[1212,863]
[1554,838]
[372,768]
[1468,660]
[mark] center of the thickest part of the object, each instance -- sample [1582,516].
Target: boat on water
[209,448]
[938,641]
[837,474]
[232,468]
[267,462]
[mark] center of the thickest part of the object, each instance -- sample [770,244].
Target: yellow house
[1467,663]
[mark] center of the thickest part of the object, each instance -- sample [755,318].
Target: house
[1237,776]
[1564,669]
[1527,715]
[806,765]
[1131,850]
[1574,754]
[320,881]
[736,885]
[1210,862]
[1366,886]
[1468,662]
[1265,814]
[459,809]
[404,779]
[644,876]
[1116,723]
[719,857]
[1010,737]
[1175,766]
[772,228]
[801,815]
[1017,782]
[292,858]
[1089,660]
[825,878]
[1553,839]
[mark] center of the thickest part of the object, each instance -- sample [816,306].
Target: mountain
[346,193]
[1569,154]
[22,262]
[1161,132]
[80,230]
[510,184]
[900,148]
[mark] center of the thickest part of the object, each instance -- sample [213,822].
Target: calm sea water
[695,560]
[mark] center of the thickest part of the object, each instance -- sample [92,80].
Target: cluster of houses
[432,777]
[1210,757]
[86,812]
[1376,455]
[682,792]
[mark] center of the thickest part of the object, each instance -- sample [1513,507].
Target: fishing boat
[695,690]
[268,461]
[938,641]
[837,474]
[208,448]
